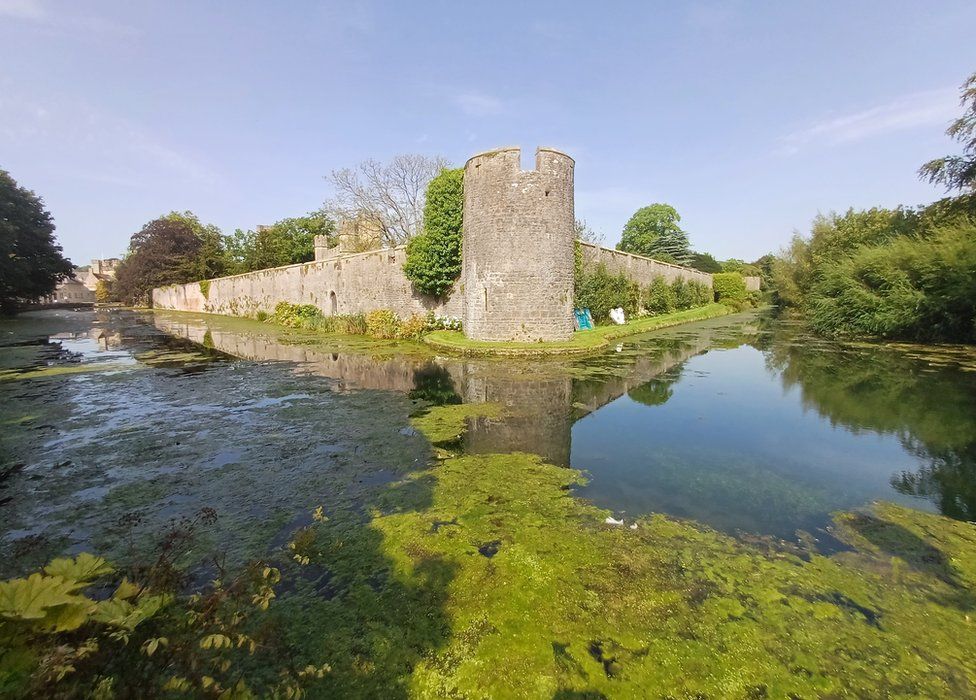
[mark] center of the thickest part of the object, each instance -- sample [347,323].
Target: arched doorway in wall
[333,303]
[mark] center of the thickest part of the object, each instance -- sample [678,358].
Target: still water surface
[746,424]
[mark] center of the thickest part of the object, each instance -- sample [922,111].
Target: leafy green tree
[654,231]
[286,242]
[31,263]
[958,172]
[742,267]
[705,262]
[172,249]
[434,256]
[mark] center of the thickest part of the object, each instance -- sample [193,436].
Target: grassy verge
[582,342]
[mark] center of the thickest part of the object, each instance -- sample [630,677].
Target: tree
[958,172]
[31,263]
[586,234]
[172,249]
[434,257]
[653,231]
[285,242]
[390,193]
[705,262]
[741,266]
[104,291]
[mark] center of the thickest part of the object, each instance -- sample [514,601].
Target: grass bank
[582,342]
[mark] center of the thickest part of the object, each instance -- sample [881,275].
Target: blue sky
[748,117]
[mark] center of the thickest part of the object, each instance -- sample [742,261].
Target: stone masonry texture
[517,276]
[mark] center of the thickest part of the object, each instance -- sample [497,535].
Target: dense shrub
[434,256]
[296,315]
[899,273]
[921,288]
[382,323]
[730,289]
[599,291]
[659,297]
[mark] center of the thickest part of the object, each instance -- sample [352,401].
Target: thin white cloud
[23,9]
[112,147]
[39,12]
[932,108]
[478,104]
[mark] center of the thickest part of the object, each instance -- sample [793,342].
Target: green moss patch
[447,423]
[59,370]
[485,577]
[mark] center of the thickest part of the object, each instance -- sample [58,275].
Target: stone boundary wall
[638,268]
[347,284]
[753,284]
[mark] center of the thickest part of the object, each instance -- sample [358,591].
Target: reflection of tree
[922,398]
[654,393]
[433,383]
[949,481]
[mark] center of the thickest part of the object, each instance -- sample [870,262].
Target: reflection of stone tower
[538,420]
[517,276]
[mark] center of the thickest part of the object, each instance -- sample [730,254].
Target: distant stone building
[355,236]
[80,287]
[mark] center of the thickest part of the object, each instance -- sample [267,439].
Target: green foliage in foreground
[434,256]
[62,634]
[899,273]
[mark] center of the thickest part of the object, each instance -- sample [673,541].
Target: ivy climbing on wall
[434,256]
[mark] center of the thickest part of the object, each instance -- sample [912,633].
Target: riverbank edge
[582,343]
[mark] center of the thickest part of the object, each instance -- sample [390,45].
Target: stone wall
[517,272]
[638,268]
[753,284]
[342,285]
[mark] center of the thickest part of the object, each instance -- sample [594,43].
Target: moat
[745,424]
[730,508]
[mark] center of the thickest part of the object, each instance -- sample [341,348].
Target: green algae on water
[484,577]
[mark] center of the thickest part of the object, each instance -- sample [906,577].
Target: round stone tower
[517,276]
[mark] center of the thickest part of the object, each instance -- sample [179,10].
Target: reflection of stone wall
[540,408]
[352,371]
[358,283]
